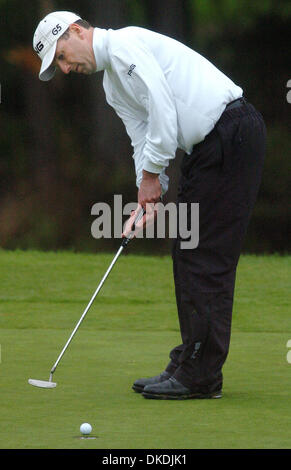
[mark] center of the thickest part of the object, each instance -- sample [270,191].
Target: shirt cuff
[152,167]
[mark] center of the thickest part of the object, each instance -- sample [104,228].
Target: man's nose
[65,68]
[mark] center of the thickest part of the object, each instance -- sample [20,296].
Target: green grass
[127,334]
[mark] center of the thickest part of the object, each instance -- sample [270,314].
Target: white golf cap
[45,38]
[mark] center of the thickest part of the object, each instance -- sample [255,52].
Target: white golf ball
[85,428]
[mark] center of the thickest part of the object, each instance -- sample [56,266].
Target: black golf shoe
[139,384]
[171,389]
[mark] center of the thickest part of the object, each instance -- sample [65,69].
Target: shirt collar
[100,48]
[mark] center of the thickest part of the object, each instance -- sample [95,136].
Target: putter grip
[139,216]
[137,219]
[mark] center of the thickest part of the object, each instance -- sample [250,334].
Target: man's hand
[150,189]
[147,219]
[128,227]
[149,193]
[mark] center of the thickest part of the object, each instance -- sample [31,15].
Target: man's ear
[76,29]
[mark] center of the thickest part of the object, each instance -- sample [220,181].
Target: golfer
[168,97]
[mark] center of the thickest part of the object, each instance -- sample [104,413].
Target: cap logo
[39,47]
[56,29]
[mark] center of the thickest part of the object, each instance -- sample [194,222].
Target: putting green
[128,334]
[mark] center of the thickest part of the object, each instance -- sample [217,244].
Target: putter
[125,242]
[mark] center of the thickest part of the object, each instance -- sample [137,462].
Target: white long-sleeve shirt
[167,95]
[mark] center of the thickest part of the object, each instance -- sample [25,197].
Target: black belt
[235,104]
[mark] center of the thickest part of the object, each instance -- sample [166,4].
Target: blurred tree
[170,17]
[63,148]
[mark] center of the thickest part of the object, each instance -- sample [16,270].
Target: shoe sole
[182,397]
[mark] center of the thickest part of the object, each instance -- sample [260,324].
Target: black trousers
[223,175]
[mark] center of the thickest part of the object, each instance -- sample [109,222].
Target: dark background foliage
[64,149]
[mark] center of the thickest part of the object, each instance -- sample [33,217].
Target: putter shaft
[123,245]
[85,311]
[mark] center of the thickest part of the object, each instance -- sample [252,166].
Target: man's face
[75,54]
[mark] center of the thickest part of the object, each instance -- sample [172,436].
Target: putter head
[42,383]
